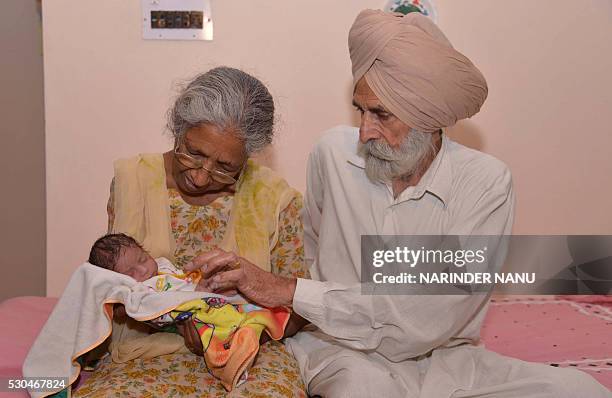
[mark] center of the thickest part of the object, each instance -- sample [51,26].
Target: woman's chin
[189,189]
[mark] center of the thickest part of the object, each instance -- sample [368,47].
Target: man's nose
[367,130]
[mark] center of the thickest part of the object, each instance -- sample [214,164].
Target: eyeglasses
[193,163]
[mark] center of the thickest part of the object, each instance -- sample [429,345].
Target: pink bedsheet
[537,328]
[22,319]
[574,332]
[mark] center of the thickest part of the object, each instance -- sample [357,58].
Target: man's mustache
[379,151]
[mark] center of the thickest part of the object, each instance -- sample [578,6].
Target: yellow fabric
[142,210]
[230,334]
[252,230]
[227,318]
[141,204]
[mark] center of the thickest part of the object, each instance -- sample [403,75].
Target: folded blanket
[81,320]
[230,333]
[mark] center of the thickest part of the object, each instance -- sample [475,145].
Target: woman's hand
[119,314]
[192,339]
[224,271]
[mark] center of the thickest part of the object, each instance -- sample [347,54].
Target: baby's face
[137,263]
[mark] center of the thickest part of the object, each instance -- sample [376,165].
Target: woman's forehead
[212,140]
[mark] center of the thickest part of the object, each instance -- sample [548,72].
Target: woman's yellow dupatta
[141,203]
[253,225]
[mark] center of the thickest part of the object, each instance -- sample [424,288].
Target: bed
[559,331]
[574,331]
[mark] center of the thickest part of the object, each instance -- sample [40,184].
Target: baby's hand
[192,338]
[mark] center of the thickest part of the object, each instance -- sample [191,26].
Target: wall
[548,66]
[108,90]
[22,203]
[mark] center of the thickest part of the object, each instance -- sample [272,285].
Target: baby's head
[121,253]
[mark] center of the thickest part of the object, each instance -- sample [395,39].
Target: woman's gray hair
[229,99]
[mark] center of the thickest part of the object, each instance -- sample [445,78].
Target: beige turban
[414,70]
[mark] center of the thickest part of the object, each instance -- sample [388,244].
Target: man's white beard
[383,163]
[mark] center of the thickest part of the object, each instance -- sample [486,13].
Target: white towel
[81,320]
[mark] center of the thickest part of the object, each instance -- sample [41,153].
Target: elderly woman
[206,196]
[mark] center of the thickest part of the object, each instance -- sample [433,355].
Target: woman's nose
[200,177]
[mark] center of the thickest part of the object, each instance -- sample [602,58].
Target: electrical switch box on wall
[177,20]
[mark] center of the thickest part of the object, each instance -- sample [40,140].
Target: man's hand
[192,339]
[224,271]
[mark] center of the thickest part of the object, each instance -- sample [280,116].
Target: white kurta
[401,345]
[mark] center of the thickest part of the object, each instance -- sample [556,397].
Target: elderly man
[398,175]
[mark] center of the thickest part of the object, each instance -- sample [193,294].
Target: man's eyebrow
[376,109]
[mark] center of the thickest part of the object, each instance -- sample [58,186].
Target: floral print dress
[275,372]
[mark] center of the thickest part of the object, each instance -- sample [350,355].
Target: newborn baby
[123,254]
[230,333]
